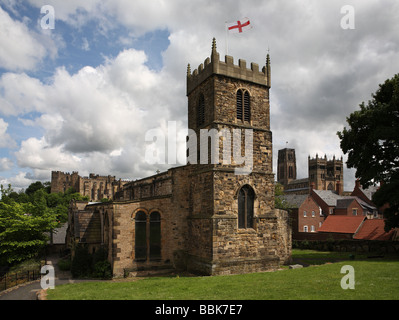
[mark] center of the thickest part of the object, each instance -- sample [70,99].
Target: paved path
[28,291]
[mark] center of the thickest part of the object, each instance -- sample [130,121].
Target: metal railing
[13,279]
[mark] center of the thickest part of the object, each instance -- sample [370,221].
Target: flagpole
[227,35]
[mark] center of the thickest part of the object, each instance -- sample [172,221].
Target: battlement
[213,65]
[324,159]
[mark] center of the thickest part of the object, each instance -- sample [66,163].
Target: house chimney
[311,187]
[338,188]
[357,183]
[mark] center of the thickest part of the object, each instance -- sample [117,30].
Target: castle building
[95,187]
[324,174]
[210,216]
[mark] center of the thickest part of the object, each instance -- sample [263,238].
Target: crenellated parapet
[213,65]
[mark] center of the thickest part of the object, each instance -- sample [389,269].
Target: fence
[10,280]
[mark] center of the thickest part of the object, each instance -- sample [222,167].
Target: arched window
[155,235]
[243,105]
[201,111]
[147,236]
[141,236]
[246,198]
[247,107]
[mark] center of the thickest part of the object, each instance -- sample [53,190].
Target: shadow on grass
[313,257]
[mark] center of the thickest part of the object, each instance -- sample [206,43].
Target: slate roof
[344,203]
[59,234]
[294,200]
[334,200]
[369,192]
[296,181]
[329,197]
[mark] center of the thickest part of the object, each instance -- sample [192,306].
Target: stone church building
[323,173]
[202,217]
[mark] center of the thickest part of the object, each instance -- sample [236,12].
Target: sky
[81,95]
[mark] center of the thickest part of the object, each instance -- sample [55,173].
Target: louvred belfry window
[201,111]
[243,105]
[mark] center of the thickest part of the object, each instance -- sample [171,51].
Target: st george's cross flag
[239,26]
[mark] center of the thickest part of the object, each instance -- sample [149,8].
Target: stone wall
[361,246]
[219,246]
[173,209]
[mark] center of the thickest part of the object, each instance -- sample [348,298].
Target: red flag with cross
[239,26]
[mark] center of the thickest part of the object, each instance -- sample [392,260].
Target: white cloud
[5,164]
[21,94]
[37,154]
[95,120]
[21,48]
[94,113]
[5,139]
[18,182]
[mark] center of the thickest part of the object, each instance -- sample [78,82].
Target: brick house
[349,207]
[305,213]
[366,195]
[309,212]
[202,217]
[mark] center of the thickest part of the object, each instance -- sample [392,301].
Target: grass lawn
[374,279]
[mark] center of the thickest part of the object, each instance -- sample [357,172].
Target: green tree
[33,187]
[22,231]
[279,203]
[372,144]
[6,193]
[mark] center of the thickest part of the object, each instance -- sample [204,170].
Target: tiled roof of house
[373,229]
[341,224]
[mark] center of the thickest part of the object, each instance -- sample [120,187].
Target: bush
[81,263]
[102,269]
[94,265]
[64,264]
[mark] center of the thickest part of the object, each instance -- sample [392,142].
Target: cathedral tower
[286,166]
[325,174]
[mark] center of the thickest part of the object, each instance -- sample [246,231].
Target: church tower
[232,223]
